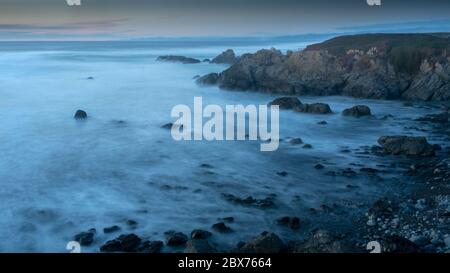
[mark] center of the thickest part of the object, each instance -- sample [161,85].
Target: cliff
[377,66]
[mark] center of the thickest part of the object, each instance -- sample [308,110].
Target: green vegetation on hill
[405,51]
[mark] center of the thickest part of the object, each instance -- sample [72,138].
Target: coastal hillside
[377,66]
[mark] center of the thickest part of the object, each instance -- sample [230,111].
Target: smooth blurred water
[59,177]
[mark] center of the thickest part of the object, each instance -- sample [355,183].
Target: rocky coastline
[365,66]
[373,66]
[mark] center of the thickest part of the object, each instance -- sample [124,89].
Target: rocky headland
[375,66]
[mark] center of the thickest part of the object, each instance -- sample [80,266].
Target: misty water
[59,177]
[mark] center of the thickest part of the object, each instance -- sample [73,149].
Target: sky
[138,19]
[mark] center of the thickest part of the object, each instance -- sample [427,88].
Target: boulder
[200,234]
[264,243]
[124,243]
[357,111]
[222,228]
[287,103]
[80,114]
[226,57]
[315,108]
[85,238]
[174,238]
[404,145]
[178,59]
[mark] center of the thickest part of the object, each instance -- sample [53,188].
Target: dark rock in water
[111,229]
[90,78]
[227,219]
[292,222]
[307,146]
[287,103]
[250,201]
[200,234]
[283,173]
[227,57]
[174,238]
[85,238]
[80,114]
[124,243]
[132,223]
[206,166]
[293,103]
[169,126]
[264,243]
[369,170]
[196,77]
[357,111]
[209,79]
[315,108]
[397,244]
[319,167]
[178,59]
[150,247]
[322,122]
[199,246]
[206,60]
[404,145]
[324,242]
[296,141]
[222,228]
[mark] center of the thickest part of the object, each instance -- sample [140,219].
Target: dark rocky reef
[404,145]
[178,59]
[376,66]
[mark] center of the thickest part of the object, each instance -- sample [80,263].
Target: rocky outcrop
[178,59]
[404,145]
[227,57]
[292,103]
[357,111]
[376,66]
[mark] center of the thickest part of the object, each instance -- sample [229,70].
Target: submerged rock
[404,145]
[179,59]
[80,114]
[222,228]
[357,111]
[227,57]
[296,141]
[264,243]
[250,201]
[111,229]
